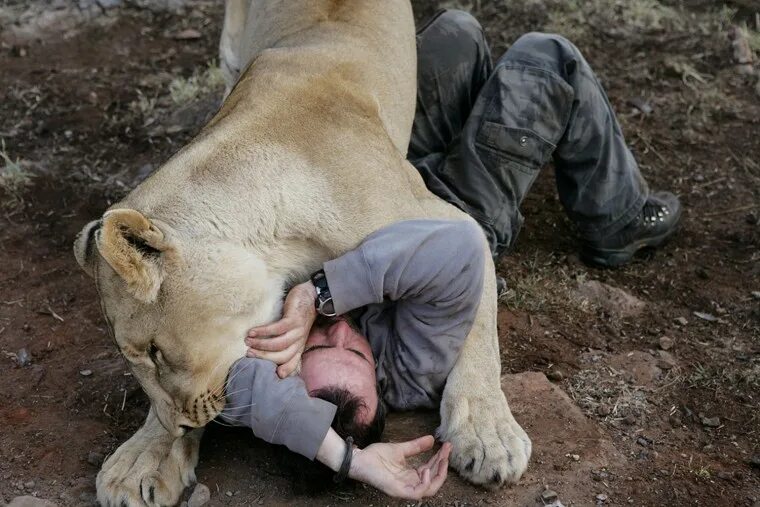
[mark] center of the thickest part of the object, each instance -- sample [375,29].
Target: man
[481,134]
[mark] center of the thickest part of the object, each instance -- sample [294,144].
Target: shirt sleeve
[432,271]
[279,411]
[422,260]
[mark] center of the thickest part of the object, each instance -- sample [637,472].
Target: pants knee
[542,41]
[546,49]
[461,24]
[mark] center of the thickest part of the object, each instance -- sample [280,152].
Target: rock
[666,360]
[756,294]
[681,321]
[109,4]
[706,316]
[29,484]
[23,357]
[641,104]
[613,300]
[95,458]
[187,34]
[555,375]
[30,501]
[549,496]
[88,499]
[603,410]
[666,342]
[601,498]
[159,5]
[85,373]
[201,496]
[710,422]
[644,441]
[639,366]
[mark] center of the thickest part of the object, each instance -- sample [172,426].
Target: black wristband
[345,467]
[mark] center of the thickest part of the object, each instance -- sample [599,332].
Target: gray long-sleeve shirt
[418,284]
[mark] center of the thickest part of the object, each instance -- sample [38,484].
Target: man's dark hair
[349,406]
[311,477]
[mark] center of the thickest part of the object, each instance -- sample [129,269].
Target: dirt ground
[653,388]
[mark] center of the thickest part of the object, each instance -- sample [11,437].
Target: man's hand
[384,466]
[283,341]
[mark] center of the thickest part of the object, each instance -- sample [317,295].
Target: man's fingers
[273,329]
[421,488]
[416,446]
[439,475]
[288,368]
[279,357]
[275,344]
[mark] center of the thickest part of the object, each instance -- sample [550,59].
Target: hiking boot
[649,229]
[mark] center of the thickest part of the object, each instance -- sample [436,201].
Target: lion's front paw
[488,446]
[148,471]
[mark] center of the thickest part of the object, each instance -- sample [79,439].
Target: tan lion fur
[305,158]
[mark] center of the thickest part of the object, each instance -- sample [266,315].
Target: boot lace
[653,213]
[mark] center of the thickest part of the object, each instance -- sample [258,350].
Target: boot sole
[613,258]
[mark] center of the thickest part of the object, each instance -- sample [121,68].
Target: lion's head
[178,307]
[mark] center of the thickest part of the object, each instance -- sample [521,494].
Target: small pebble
[601,498]
[603,410]
[682,321]
[85,373]
[555,375]
[201,496]
[711,422]
[29,484]
[23,357]
[228,493]
[549,496]
[94,458]
[666,342]
[643,441]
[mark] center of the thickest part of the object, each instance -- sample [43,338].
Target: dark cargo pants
[482,132]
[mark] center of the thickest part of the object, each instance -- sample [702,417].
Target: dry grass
[13,179]
[209,80]
[593,388]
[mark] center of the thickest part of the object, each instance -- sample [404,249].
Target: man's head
[337,365]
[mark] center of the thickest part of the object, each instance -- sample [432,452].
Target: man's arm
[279,411]
[432,271]
[430,262]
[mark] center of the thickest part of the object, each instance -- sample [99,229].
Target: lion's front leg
[488,446]
[152,468]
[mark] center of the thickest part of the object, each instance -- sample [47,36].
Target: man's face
[336,355]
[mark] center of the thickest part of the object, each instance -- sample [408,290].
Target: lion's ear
[84,244]
[135,248]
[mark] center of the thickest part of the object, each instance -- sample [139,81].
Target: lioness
[305,158]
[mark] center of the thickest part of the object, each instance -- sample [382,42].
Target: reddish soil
[648,440]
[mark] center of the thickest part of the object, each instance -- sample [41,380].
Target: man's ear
[133,246]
